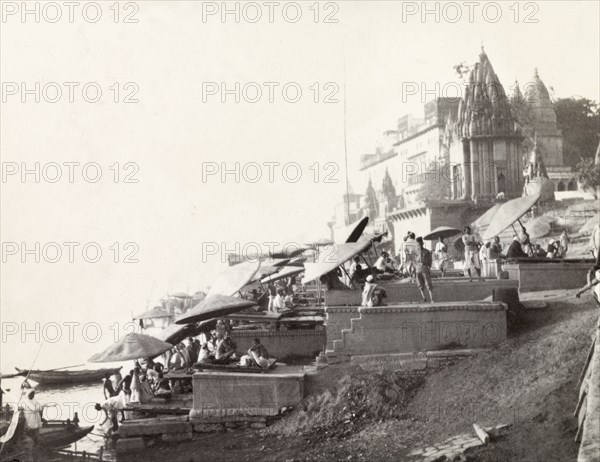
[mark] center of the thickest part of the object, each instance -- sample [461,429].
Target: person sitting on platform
[593,278]
[355,272]
[515,250]
[553,249]
[204,356]
[256,354]
[372,295]
[225,350]
[423,268]
[539,252]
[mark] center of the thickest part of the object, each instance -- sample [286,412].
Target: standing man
[423,268]
[441,255]
[33,415]
[472,244]
[410,255]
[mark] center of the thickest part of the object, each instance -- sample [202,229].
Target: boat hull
[68,377]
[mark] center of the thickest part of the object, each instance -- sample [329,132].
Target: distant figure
[356,270]
[372,295]
[515,250]
[423,269]
[484,259]
[441,255]
[272,294]
[279,301]
[496,249]
[593,278]
[564,244]
[553,249]
[410,254]
[472,243]
[124,388]
[108,388]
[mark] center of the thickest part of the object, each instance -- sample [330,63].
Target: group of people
[416,262]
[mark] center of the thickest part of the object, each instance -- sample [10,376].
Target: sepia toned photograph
[300,231]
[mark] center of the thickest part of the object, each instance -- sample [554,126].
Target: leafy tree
[436,183]
[589,175]
[579,120]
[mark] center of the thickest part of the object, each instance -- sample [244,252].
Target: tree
[589,175]
[579,120]
[436,183]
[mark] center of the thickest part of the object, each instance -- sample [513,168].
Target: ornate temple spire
[485,108]
[517,96]
[371,201]
[538,99]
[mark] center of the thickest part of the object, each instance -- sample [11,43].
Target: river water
[62,403]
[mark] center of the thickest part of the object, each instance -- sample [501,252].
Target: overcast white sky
[171,132]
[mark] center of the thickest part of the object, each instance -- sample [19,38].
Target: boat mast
[346,150]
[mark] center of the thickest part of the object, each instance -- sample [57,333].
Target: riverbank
[529,382]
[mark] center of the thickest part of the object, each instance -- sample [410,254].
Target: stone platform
[228,394]
[409,328]
[284,344]
[543,275]
[444,290]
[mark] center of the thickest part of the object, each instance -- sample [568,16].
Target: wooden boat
[54,434]
[55,377]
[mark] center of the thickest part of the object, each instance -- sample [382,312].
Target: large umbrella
[485,219]
[132,346]
[357,230]
[156,312]
[441,231]
[331,260]
[175,333]
[509,213]
[234,278]
[213,307]
[286,272]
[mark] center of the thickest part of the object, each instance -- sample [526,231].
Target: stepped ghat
[459,318]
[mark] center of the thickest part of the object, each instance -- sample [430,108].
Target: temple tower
[486,150]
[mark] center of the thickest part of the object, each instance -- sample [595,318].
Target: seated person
[225,349]
[162,388]
[372,295]
[204,355]
[515,250]
[278,301]
[257,354]
[553,248]
[382,265]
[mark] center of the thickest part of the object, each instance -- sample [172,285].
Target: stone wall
[409,328]
[544,275]
[226,394]
[284,344]
[444,290]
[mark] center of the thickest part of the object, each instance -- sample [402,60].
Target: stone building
[471,145]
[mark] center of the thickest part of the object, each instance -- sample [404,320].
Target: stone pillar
[466,171]
[475,176]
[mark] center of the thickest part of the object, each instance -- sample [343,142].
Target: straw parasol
[213,307]
[234,278]
[441,231]
[132,346]
[331,260]
[509,213]
[156,312]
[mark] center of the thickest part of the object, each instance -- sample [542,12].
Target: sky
[152,198]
